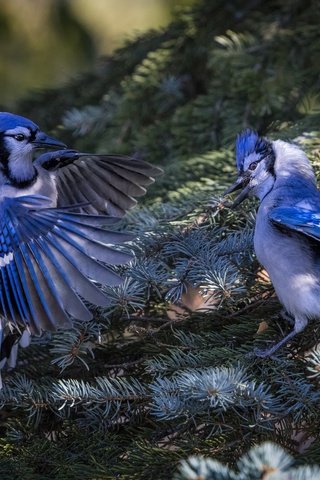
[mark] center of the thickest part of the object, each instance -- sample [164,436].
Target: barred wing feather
[106,183]
[50,260]
[301,220]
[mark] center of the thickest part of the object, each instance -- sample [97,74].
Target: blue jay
[53,249]
[287,231]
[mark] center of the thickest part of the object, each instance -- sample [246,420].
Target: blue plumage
[287,228]
[245,145]
[298,219]
[249,142]
[54,249]
[39,244]
[10,121]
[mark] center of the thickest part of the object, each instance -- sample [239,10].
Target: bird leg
[287,317]
[299,326]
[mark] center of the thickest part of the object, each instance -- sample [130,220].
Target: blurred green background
[45,42]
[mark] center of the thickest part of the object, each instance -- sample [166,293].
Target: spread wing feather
[107,183]
[50,260]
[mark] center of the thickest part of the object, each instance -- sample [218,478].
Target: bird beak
[241,182]
[42,140]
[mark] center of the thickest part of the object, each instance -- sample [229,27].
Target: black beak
[241,182]
[42,140]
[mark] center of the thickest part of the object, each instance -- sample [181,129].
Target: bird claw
[259,352]
[262,353]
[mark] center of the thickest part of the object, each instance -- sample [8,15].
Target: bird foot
[263,353]
[270,351]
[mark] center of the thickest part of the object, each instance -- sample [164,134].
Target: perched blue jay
[53,248]
[287,231]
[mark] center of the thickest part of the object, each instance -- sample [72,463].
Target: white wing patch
[6,259]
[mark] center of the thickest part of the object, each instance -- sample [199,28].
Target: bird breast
[44,185]
[290,262]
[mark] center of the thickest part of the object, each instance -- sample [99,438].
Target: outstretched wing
[297,219]
[108,183]
[50,261]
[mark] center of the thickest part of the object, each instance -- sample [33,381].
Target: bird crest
[10,121]
[246,143]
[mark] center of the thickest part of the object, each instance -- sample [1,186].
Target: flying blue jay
[53,249]
[287,231]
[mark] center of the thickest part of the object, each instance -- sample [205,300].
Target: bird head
[255,159]
[20,136]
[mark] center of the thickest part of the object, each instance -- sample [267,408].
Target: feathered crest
[246,143]
[9,121]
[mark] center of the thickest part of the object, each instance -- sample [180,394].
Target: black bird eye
[20,137]
[253,166]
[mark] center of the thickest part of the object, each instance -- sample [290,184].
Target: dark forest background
[165,374]
[44,43]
